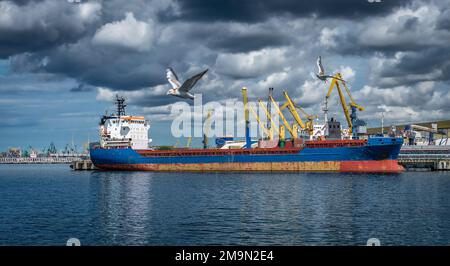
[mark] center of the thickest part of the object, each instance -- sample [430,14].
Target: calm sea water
[48,204]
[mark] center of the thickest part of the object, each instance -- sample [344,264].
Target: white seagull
[321,75]
[182,90]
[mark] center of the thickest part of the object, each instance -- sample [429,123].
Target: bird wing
[320,66]
[190,82]
[332,77]
[172,78]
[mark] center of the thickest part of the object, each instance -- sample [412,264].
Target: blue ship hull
[376,155]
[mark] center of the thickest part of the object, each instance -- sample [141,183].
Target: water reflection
[46,205]
[263,209]
[123,202]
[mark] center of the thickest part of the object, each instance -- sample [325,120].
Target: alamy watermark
[227,118]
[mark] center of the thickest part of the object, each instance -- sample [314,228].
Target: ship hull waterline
[385,166]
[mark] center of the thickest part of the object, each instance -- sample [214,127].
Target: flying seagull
[321,75]
[182,90]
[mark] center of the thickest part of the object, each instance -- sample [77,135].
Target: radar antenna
[120,102]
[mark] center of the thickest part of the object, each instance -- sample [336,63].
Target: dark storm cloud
[414,67]
[95,66]
[419,63]
[255,10]
[244,40]
[155,100]
[243,43]
[405,23]
[82,88]
[43,25]
[29,26]
[444,21]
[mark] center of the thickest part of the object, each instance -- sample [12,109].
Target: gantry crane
[351,118]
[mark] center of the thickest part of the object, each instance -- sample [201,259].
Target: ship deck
[253,151]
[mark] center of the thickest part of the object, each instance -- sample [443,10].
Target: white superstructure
[124,130]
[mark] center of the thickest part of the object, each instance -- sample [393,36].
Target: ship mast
[120,102]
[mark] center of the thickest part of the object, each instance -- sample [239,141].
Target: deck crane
[293,130]
[350,117]
[269,118]
[310,118]
[206,127]
[188,143]
[308,126]
[248,141]
[266,131]
[269,123]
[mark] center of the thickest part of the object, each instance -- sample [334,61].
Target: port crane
[206,127]
[267,131]
[291,106]
[270,121]
[188,143]
[350,117]
[308,126]
[205,139]
[293,130]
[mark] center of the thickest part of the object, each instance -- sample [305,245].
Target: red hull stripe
[384,166]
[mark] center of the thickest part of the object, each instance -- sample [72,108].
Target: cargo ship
[124,145]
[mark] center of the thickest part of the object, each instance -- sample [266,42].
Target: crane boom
[269,117]
[266,131]
[285,122]
[335,83]
[189,140]
[248,142]
[291,107]
[269,107]
[206,127]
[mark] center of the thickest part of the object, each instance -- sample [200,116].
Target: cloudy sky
[61,63]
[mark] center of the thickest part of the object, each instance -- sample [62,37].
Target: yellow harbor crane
[351,118]
[269,120]
[292,129]
[189,140]
[267,132]
[206,127]
[205,139]
[308,126]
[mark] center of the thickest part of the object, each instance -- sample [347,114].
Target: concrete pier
[82,165]
[434,158]
[38,160]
